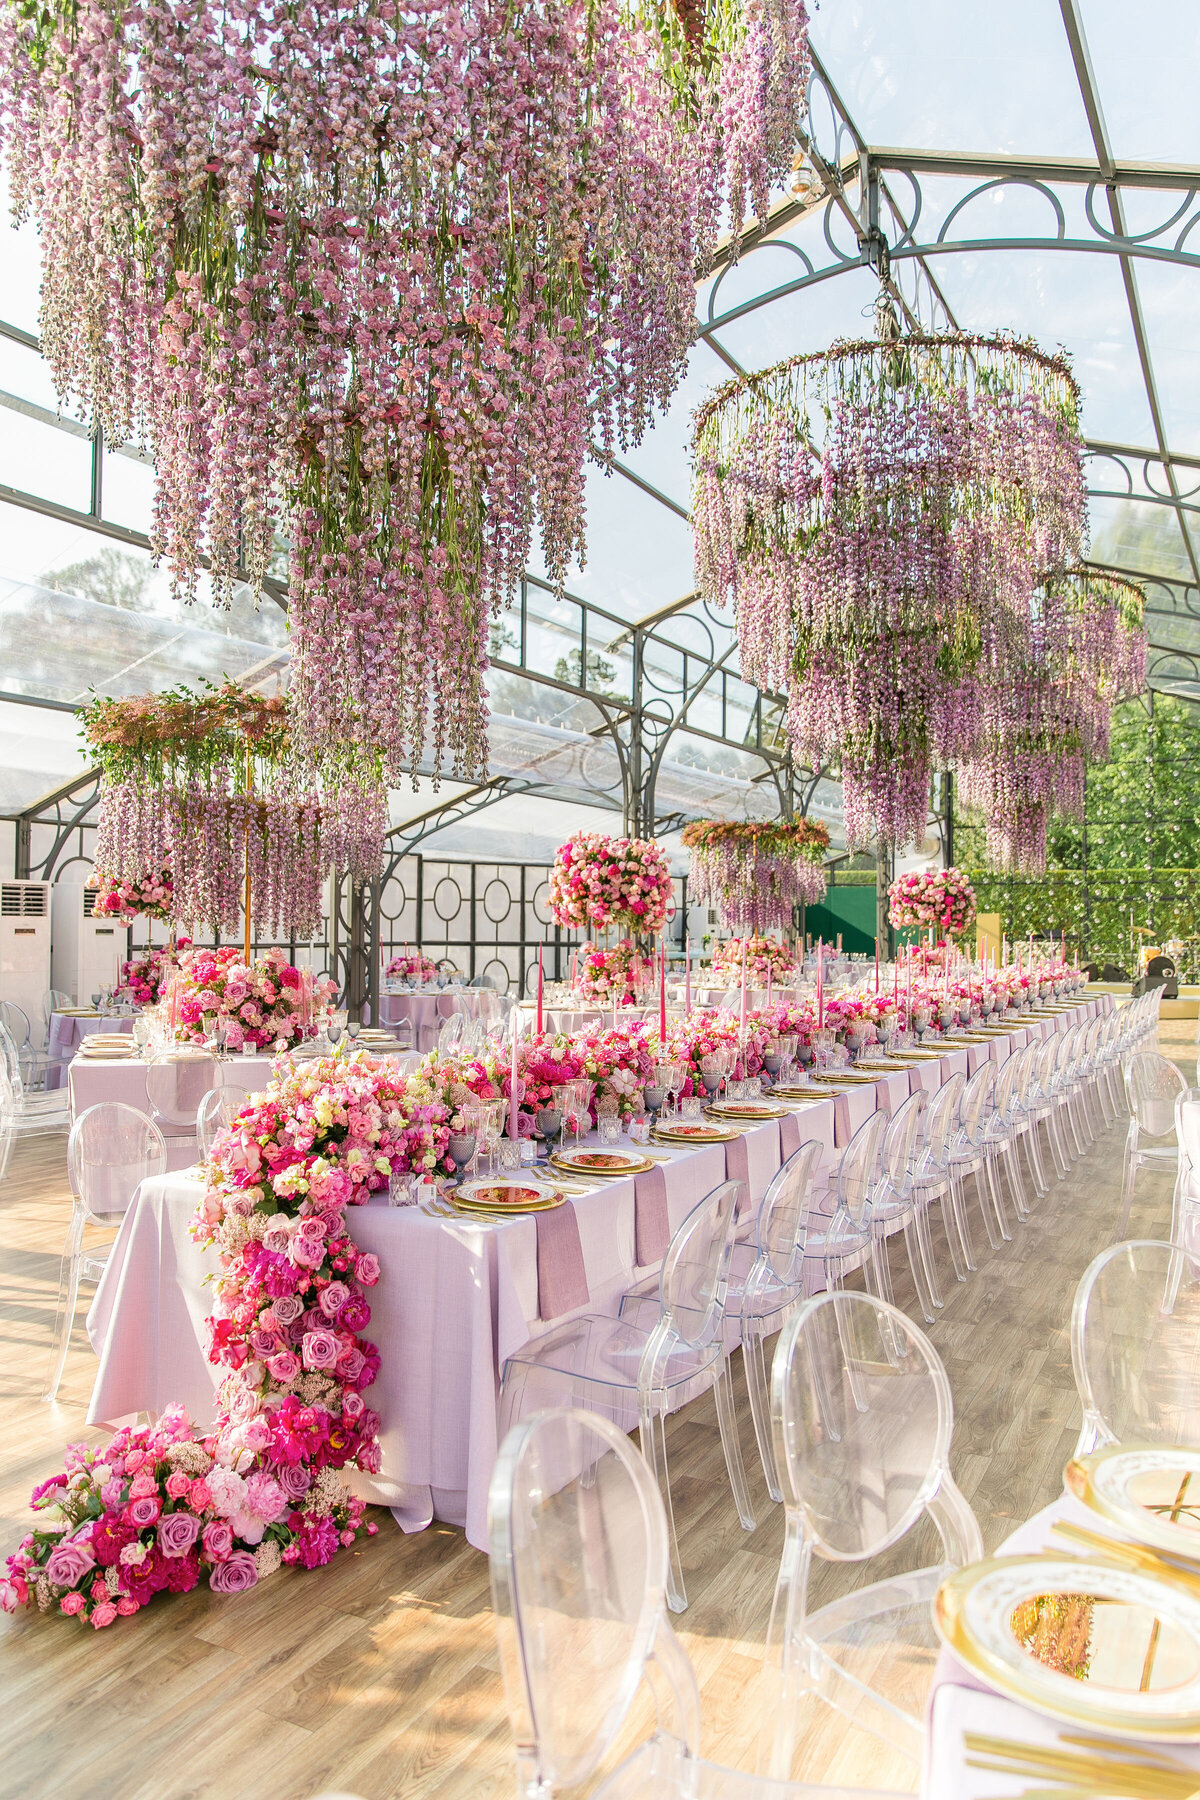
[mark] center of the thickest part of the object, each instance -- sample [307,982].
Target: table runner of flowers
[160,1508]
[260,1005]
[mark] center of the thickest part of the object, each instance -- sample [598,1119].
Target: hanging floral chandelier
[756,874]
[376,276]
[208,785]
[1044,720]
[880,514]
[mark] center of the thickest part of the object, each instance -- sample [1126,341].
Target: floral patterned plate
[690,1131]
[613,1163]
[504,1197]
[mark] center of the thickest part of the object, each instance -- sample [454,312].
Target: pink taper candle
[539,992]
[514,1081]
[820,982]
[662,999]
[743,990]
[687,975]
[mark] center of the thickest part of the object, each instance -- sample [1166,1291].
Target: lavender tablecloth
[427,1013]
[66,1033]
[92,1081]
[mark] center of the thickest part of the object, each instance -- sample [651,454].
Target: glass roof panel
[127,491]
[1061,297]
[1145,68]
[842,306]
[1170,298]
[662,456]
[639,552]
[39,751]
[914,72]
[1137,535]
[43,460]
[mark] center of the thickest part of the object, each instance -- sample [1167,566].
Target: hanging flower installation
[942,899]
[1044,720]
[377,276]
[756,874]
[209,785]
[598,881]
[880,513]
[148,897]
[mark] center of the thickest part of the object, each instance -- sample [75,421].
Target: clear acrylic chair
[31,1114]
[176,1083]
[1135,1345]
[1001,1130]
[215,1113]
[933,1178]
[1185,1202]
[1152,1086]
[636,1374]
[450,1035]
[579,1549]
[111,1150]
[896,1203]
[766,1280]
[843,1240]
[862,1417]
[970,1153]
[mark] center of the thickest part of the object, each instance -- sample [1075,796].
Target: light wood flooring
[378,1675]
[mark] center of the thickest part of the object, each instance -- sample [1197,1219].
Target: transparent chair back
[862,1419]
[858,1171]
[1153,1083]
[694,1271]
[941,1116]
[577,1542]
[176,1083]
[975,1107]
[215,1113]
[898,1147]
[1135,1346]
[450,1035]
[783,1212]
[15,1021]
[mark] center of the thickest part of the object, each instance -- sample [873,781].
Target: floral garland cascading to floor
[160,1508]
[755,873]
[374,279]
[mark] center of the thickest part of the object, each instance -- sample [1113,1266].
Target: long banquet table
[457,1296]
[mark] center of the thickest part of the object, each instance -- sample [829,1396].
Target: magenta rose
[235,1575]
[144,1510]
[177,1533]
[218,1540]
[351,1364]
[356,1314]
[321,1349]
[333,1297]
[69,1563]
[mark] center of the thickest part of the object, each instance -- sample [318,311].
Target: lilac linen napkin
[652,1228]
[842,1130]
[562,1278]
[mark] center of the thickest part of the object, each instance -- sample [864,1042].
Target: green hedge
[1093,909]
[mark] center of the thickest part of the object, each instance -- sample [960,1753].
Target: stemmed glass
[491,1112]
[581,1094]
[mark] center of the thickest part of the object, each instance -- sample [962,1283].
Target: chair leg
[1128,1183]
[731,1444]
[924,1243]
[962,1224]
[1033,1151]
[992,1183]
[950,1228]
[1016,1185]
[754,1357]
[653,1435]
[68,1293]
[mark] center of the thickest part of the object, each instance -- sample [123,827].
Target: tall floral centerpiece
[620,973]
[163,1508]
[767,959]
[755,873]
[373,280]
[143,977]
[599,881]
[941,900]
[411,965]
[260,1004]
[209,785]
[881,513]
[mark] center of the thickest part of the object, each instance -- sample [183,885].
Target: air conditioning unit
[25,947]
[88,950]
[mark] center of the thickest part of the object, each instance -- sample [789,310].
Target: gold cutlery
[1133,1556]
[1099,1766]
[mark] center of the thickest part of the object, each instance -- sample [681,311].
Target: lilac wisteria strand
[377,275]
[756,874]
[1043,722]
[880,514]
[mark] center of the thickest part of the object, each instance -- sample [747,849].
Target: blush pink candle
[687,974]
[662,999]
[540,984]
[514,1080]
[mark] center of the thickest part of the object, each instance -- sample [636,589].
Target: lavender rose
[321,1349]
[333,1297]
[294,1479]
[69,1563]
[235,1575]
[287,1308]
[177,1533]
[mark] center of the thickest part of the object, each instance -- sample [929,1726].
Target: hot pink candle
[743,990]
[820,982]
[687,974]
[662,999]
[514,1082]
[539,991]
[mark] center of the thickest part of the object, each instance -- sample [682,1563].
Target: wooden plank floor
[379,1675]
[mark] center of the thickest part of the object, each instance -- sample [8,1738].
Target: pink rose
[334,1296]
[287,1308]
[104,1614]
[320,1349]
[313,1228]
[235,1575]
[285,1367]
[178,1485]
[143,1511]
[142,1484]
[126,1605]
[69,1563]
[218,1540]
[72,1603]
[295,1480]
[201,1495]
[367,1269]
[177,1532]
[353,1405]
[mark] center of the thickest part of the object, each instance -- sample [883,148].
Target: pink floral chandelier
[598,882]
[880,514]
[208,785]
[375,277]
[756,874]
[1045,719]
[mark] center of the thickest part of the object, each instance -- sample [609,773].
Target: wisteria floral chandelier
[756,872]
[881,514]
[378,275]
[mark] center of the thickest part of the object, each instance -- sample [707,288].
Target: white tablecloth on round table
[92,1080]
[960,1704]
[67,1031]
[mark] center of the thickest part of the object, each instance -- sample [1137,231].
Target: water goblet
[549,1123]
[96,999]
[711,1074]
[460,1149]
[655,1099]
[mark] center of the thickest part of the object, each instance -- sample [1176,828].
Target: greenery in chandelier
[756,872]
[1047,714]
[208,785]
[880,514]
[376,275]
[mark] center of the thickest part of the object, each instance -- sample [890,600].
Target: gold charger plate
[620,1163]
[755,1112]
[527,1198]
[1152,1491]
[693,1131]
[1113,1649]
